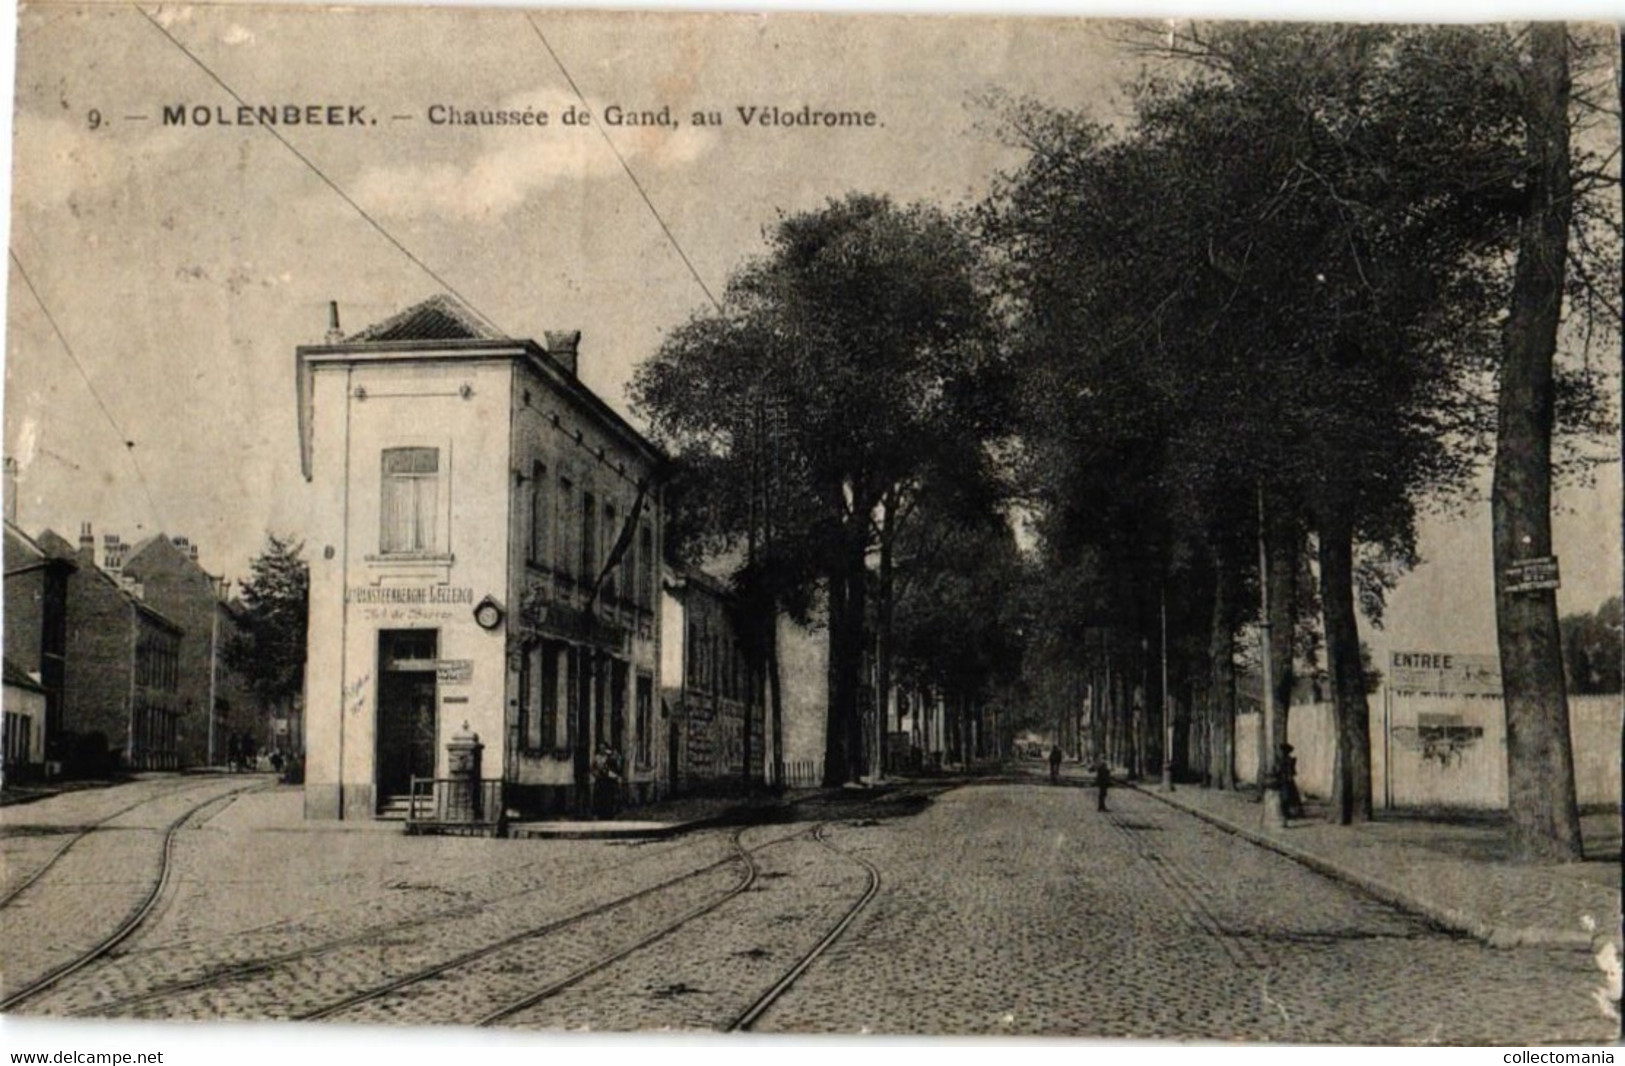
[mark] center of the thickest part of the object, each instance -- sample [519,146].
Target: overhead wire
[627,167]
[107,413]
[329,182]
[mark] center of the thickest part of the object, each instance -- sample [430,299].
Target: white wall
[1406,772]
[406,405]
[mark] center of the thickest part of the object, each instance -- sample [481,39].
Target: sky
[182,265]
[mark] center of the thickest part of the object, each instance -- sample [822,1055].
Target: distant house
[22,754]
[120,704]
[36,629]
[717,724]
[486,541]
[211,701]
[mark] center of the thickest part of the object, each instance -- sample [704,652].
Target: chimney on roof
[113,553]
[11,490]
[191,552]
[563,345]
[132,586]
[87,546]
[334,333]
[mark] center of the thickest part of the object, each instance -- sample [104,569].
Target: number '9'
[94,119]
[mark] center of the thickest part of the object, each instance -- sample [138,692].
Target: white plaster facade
[451,468]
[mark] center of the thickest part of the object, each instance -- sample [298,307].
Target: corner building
[484,544]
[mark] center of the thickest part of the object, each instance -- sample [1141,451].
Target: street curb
[1496,936]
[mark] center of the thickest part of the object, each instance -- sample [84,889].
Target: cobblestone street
[1003,907]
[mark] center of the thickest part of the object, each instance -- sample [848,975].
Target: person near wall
[606,792]
[1291,798]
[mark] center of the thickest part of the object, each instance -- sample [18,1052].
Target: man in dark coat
[1291,798]
[1103,781]
[1055,764]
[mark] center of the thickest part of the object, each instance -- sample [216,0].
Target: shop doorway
[407,726]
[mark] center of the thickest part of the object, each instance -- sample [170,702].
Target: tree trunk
[775,695]
[1351,785]
[1222,658]
[1545,821]
[839,710]
[1285,561]
[883,638]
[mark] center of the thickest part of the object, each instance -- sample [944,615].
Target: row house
[717,720]
[212,701]
[487,534]
[36,642]
[121,669]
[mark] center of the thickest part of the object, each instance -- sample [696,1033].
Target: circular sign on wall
[488,613]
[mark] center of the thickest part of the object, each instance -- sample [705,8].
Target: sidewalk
[667,818]
[1454,869]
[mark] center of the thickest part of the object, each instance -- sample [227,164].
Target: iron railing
[446,804]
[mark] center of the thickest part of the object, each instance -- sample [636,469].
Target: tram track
[486,952]
[220,977]
[748,1018]
[648,939]
[84,831]
[282,968]
[143,909]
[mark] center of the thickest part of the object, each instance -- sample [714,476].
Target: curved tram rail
[28,882]
[743,1021]
[553,989]
[755,1011]
[486,950]
[223,976]
[133,921]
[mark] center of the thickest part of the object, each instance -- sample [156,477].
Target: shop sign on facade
[454,671]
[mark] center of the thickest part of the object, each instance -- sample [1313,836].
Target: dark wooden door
[408,731]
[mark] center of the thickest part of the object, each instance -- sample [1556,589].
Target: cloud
[515,162]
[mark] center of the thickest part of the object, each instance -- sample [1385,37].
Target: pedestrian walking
[1103,781]
[234,753]
[1055,764]
[251,752]
[1291,798]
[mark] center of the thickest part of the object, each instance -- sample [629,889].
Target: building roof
[58,547]
[17,677]
[442,327]
[162,543]
[439,318]
[23,553]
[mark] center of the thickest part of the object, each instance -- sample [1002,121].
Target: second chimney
[564,345]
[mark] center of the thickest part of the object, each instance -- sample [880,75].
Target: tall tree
[868,322]
[267,646]
[1540,758]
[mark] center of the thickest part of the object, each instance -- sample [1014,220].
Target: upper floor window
[411,500]
[610,533]
[536,546]
[589,538]
[645,568]
[563,516]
